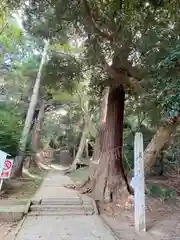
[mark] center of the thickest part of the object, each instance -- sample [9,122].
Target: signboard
[3,156]
[6,172]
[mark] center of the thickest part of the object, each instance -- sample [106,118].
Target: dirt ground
[158,210]
[21,188]
[25,186]
[7,230]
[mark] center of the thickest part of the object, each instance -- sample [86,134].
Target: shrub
[10,130]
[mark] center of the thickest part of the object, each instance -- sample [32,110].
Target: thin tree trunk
[161,162]
[161,137]
[74,151]
[81,148]
[29,117]
[18,165]
[86,149]
[96,150]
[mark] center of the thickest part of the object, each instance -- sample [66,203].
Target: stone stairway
[60,213]
[62,207]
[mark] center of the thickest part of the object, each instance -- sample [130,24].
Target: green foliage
[161,99]
[170,71]
[128,149]
[162,96]
[61,71]
[142,33]
[10,129]
[159,191]
[11,37]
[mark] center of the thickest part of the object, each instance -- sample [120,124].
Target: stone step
[62,201]
[52,208]
[12,213]
[13,202]
[60,213]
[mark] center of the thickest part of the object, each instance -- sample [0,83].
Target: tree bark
[86,150]
[161,137]
[109,174]
[161,162]
[37,127]
[96,151]
[18,166]
[29,117]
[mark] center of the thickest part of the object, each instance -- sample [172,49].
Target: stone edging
[22,220]
[27,207]
[18,228]
[109,228]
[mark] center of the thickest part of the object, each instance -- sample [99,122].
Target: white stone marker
[139,199]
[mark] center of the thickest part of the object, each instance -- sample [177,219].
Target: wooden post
[139,201]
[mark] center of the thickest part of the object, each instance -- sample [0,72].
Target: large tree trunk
[161,137]
[29,117]
[109,175]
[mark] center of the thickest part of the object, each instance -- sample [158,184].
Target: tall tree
[30,114]
[132,36]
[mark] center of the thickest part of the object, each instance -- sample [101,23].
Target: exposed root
[86,191]
[67,171]
[71,169]
[88,186]
[80,187]
[85,182]
[70,186]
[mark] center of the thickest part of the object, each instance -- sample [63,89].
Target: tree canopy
[133,45]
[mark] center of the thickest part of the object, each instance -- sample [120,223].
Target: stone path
[63,214]
[7,230]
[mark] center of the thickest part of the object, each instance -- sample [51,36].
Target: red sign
[7,164]
[6,172]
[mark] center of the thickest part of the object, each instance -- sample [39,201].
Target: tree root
[70,170]
[88,186]
[67,171]
[70,186]
[79,187]
[85,182]
[86,191]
